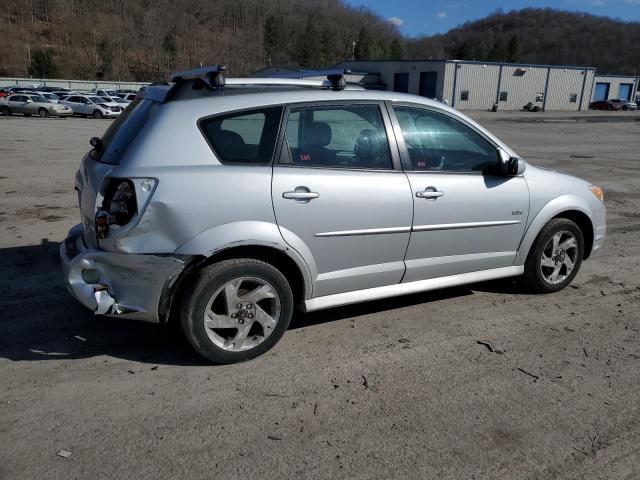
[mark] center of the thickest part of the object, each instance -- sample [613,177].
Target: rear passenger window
[438,142]
[338,137]
[248,137]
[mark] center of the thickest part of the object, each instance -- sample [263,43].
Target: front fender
[556,206]
[246,233]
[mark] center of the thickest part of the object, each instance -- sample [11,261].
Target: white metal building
[472,85]
[615,86]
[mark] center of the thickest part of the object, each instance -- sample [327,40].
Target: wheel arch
[571,207]
[278,258]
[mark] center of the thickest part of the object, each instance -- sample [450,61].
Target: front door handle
[301,195]
[430,193]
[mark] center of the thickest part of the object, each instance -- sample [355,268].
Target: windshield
[123,131]
[118,100]
[39,98]
[106,99]
[96,99]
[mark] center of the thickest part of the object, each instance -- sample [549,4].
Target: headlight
[598,192]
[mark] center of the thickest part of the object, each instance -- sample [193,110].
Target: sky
[428,17]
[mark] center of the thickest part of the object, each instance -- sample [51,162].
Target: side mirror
[96,143]
[511,166]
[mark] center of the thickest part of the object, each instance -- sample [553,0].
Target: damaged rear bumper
[117,284]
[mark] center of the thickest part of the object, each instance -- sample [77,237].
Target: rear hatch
[98,163]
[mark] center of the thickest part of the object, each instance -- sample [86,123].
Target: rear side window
[350,136]
[247,137]
[123,130]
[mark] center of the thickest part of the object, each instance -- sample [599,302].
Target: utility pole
[353,51]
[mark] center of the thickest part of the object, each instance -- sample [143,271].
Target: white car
[97,107]
[104,93]
[116,101]
[52,97]
[626,104]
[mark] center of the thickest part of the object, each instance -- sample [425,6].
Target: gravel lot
[391,389]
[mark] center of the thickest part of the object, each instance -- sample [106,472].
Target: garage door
[624,92]
[601,91]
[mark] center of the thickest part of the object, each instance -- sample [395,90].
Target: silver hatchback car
[226,203]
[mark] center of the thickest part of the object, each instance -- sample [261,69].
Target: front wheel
[555,257]
[42,113]
[5,110]
[97,114]
[236,310]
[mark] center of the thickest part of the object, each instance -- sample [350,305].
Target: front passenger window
[350,136]
[436,141]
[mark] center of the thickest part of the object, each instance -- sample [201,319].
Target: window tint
[246,137]
[338,136]
[438,142]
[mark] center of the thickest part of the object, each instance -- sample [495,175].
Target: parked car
[52,97]
[104,93]
[624,104]
[129,97]
[115,102]
[85,105]
[228,207]
[4,92]
[605,105]
[31,104]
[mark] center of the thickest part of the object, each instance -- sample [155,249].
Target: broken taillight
[119,206]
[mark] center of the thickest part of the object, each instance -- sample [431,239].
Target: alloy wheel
[559,257]
[242,314]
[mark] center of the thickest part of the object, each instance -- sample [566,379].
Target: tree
[270,39]
[513,49]
[363,44]
[42,65]
[397,49]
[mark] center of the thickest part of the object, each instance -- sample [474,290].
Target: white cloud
[395,21]
[441,15]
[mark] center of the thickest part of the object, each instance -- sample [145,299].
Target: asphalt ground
[398,388]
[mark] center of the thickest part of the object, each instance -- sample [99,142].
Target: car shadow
[40,321]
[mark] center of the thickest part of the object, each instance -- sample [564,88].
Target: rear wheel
[5,110]
[42,113]
[97,114]
[237,309]
[555,257]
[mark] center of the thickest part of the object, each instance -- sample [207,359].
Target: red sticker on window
[305,157]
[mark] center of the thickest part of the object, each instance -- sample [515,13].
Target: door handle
[301,195]
[430,193]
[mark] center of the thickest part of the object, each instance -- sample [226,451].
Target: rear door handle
[430,193]
[301,194]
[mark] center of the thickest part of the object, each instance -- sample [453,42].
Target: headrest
[370,144]
[229,138]
[318,134]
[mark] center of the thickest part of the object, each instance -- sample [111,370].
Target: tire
[539,277]
[625,107]
[42,113]
[5,111]
[27,114]
[232,334]
[97,114]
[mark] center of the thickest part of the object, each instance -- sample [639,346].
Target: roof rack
[337,82]
[213,75]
